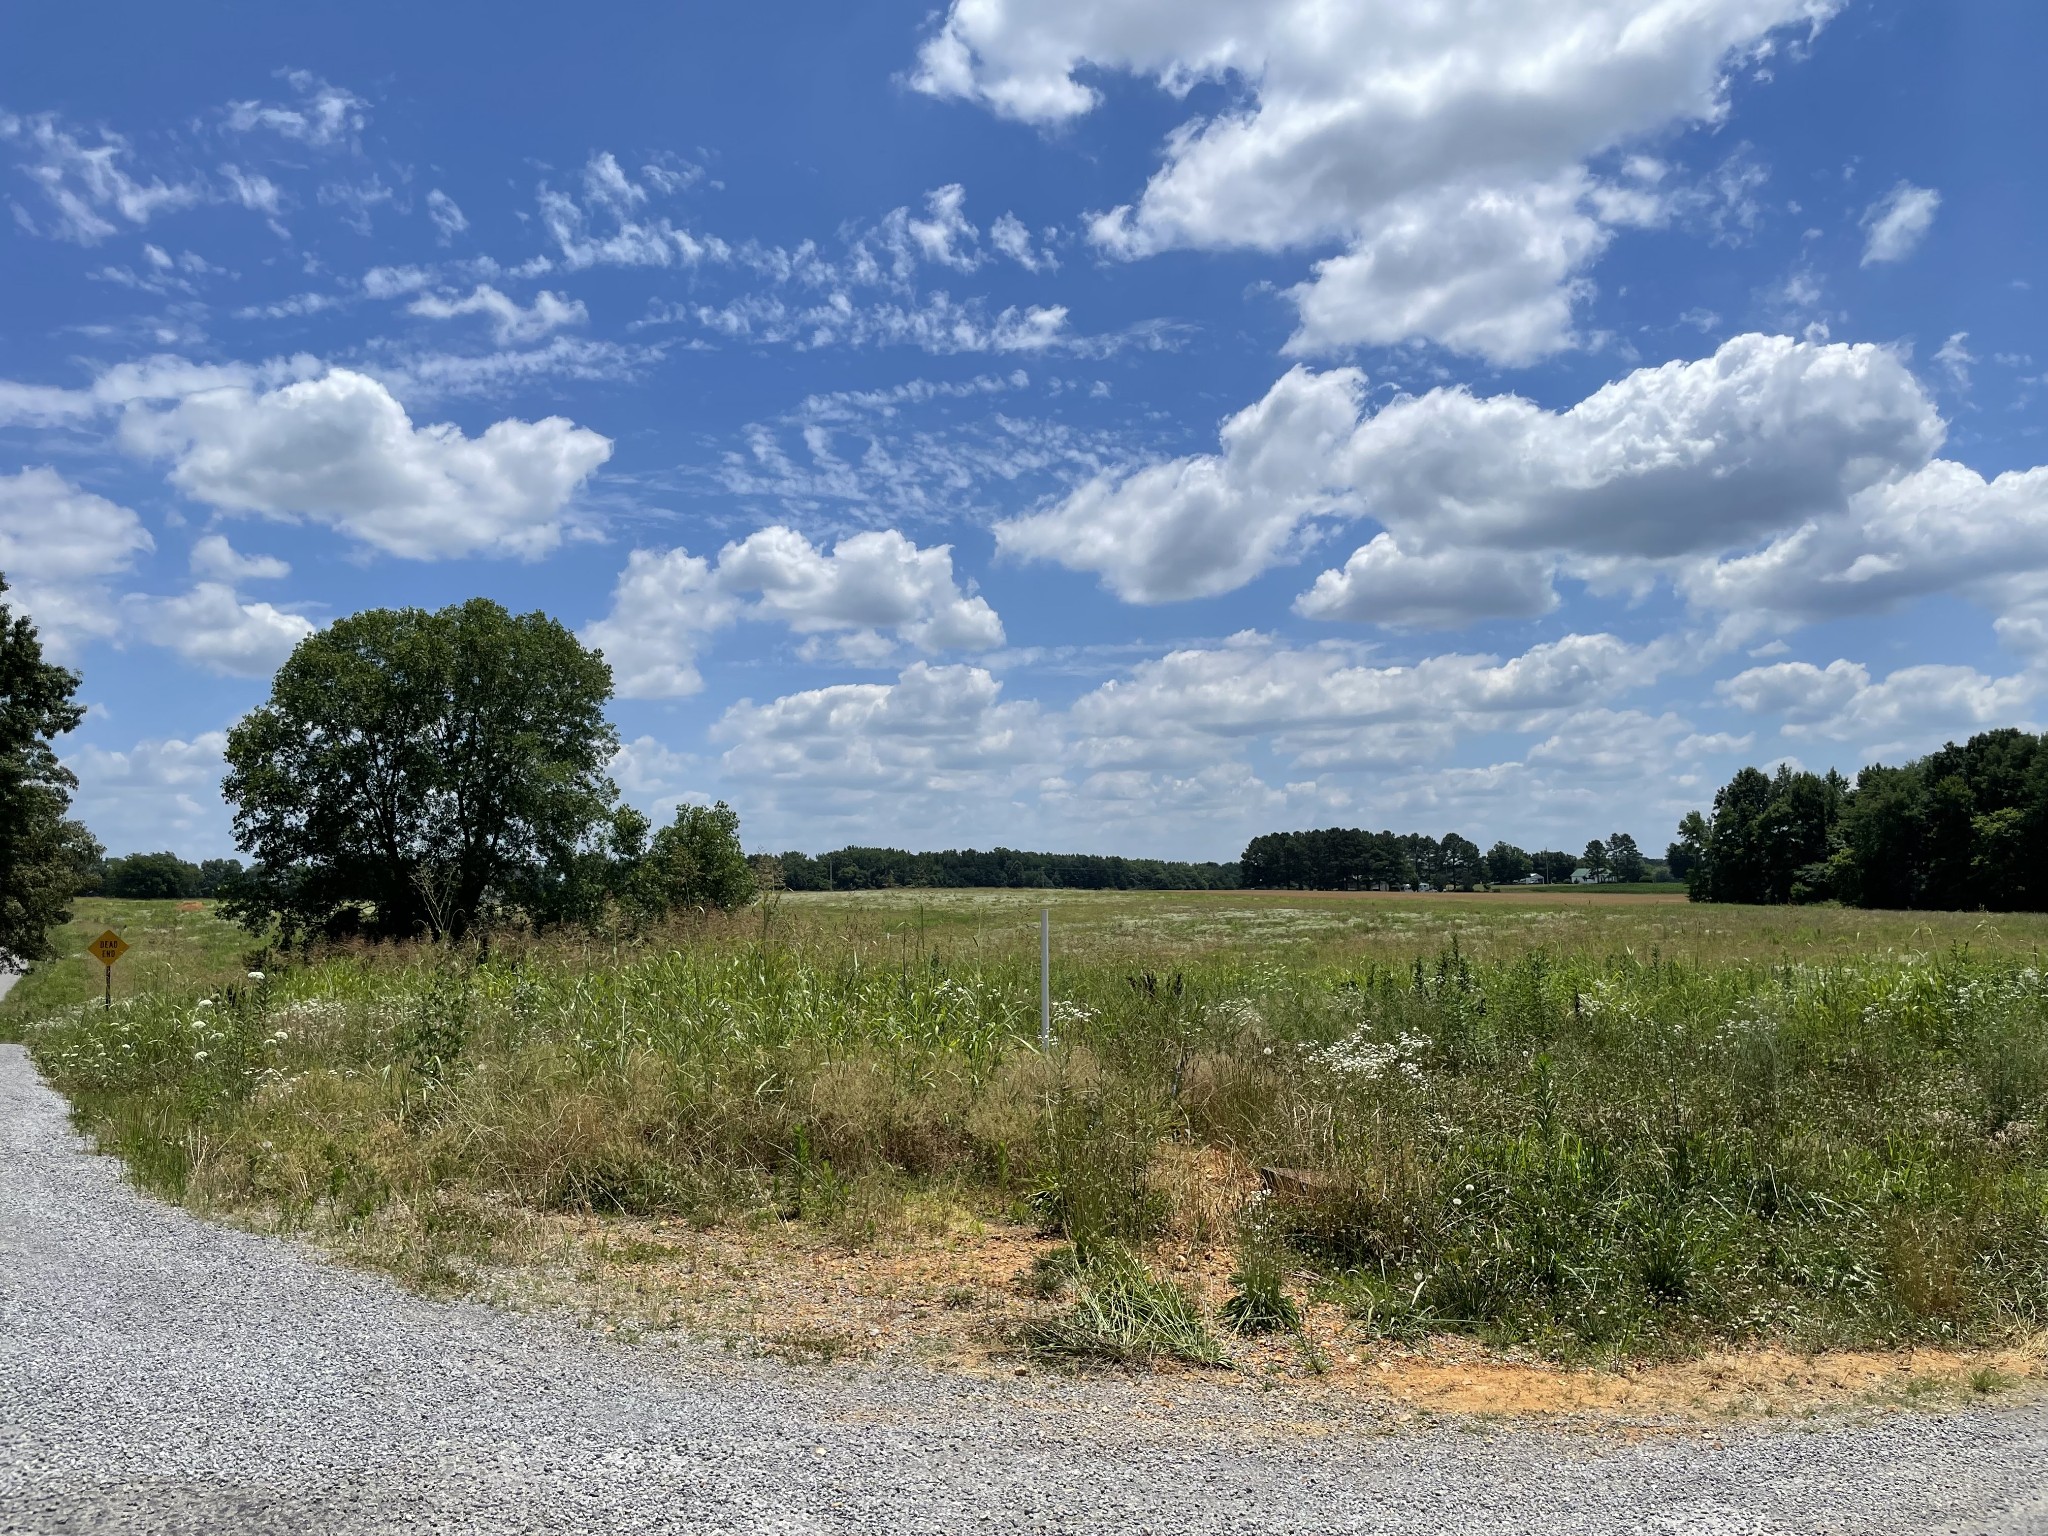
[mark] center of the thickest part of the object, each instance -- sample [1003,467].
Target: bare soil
[954,1293]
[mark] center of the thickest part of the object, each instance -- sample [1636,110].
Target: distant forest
[1958,830]
[866,869]
[1352,859]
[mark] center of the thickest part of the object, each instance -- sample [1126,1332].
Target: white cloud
[946,236]
[937,323]
[1614,744]
[1351,120]
[663,607]
[88,186]
[215,559]
[606,229]
[1381,584]
[1894,226]
[1323,707]
[1911,710]
[1955,359]
[58,545]
[212,626]
[424,375]
[339,449]
[1205,524]
[935,729]
[1009,235]
[1687,457]
[872,581]
[323,116]
[449,219]
[42,405]
[156,793]
[253,190]
[509,322]
[1943,528]
[395,282]
[1482,271]
[667,603]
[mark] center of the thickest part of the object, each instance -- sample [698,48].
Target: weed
[1258,1302]
[1124,1315]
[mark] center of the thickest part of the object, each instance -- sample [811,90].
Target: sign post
[106,949]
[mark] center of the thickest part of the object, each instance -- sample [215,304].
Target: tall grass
[1572,1147]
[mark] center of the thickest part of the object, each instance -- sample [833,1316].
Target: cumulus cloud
[870,591]
[509,322]
[663,606]
[1445,133]
[158,790]
[211,626]
[1910,710]
[1208,523]
[1683,458]
[1323,707]
[1383,584]
[934,728]
[339,449]
[214,558]
[1487,272]
[1614,744]
[1894,226]
[1942,528]
[59,544]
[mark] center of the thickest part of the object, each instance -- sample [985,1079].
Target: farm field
[1434,1145]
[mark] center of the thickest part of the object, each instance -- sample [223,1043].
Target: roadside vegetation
[1594,1127]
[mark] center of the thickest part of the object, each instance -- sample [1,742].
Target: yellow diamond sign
[108,947]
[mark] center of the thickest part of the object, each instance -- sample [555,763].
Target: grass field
[1591,1125]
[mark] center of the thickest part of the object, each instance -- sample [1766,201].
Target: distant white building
[1584,876]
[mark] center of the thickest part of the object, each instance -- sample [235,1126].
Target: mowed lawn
[1582,1123]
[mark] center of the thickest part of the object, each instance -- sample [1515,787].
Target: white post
[1045,978]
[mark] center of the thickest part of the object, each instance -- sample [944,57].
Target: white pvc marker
[1045,978]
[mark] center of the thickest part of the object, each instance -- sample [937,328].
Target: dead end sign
[107,948]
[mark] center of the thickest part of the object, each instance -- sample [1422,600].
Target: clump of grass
[1258,1301]
[1122,1314]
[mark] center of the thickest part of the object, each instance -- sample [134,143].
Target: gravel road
[161,1374]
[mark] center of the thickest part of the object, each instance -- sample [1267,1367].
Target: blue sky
[1125,427]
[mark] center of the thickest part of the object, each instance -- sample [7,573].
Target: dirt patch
[954,1294]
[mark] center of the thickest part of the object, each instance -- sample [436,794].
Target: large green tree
[412,772]
[43,854]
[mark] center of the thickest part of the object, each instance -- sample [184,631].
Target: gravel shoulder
[161,1374]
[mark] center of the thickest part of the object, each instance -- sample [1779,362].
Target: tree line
[862,869]
[1959,829]
[1352,859]
[158,877]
